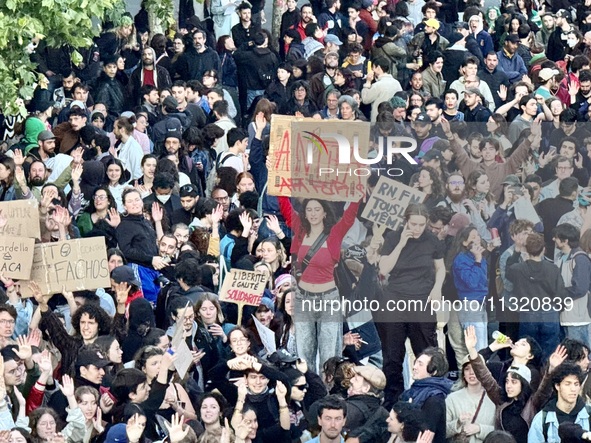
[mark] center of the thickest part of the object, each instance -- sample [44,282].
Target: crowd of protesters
[158,144]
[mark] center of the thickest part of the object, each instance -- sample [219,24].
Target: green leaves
[59,22]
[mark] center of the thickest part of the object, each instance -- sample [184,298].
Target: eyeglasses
[236,341]
[7,322]
[100,197]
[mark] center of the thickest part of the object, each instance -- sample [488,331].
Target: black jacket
[112,93]
[192,65]
[137,240]
[253,65]
[494,80]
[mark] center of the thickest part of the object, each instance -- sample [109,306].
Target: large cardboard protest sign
[16,257]
[23,218]
[318,158]
[388,201]
[73,264]
[243,288]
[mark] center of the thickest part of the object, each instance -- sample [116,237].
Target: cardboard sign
[74,264]
[23,218]
[388,201]
[243,288]
[16,257]
[184,358]
[305,157]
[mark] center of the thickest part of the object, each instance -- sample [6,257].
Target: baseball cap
[373,375]
[188,191]
[170,104]
[45,135]
[457,223]
[331,38]
[423,118]
[433,23]
[124,274]
[268,303]
[564,13]
[513,38]
[117,434]
[462,25]
[89,357]
[522,370]
[512,180]
[78,103]
[547,73]
[433,154]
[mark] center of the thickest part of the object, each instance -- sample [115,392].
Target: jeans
[478,318]
[319,331]
[393,335]
[545,330]
[580,333]
[251,94]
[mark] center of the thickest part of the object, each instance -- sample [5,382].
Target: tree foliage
[58,22]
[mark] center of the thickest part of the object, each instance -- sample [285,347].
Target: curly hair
[91,209]
[437,185]
[411,417]
[145,353]
[94,312]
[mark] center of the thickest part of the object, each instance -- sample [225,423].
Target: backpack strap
[260,202]
[545,425]
[219,162]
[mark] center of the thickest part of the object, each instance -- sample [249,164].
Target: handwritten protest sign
[243,288]
[73,264]
[266,335]
[305,155]
[23,218]
[16,257]
[388,201]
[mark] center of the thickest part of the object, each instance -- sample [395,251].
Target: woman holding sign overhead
[317,244]
[413,258]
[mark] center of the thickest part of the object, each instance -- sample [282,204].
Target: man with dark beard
[323,82]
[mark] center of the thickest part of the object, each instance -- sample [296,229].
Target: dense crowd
[159,145]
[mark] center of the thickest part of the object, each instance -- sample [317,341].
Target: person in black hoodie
[278,91]
[197,57]
[256,67]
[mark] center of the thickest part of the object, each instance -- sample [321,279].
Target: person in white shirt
[129,151]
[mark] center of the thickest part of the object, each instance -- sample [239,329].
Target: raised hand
[122,292]
[34,337]
[242,390]
[175,429]
[273,224]
[217,214]
[62,216]
[44,362]
[470,337]
[114,218]
[280,391]
[77,172]
[19,176]
[557,358]
[67,386]
[445,126]
[24,351]
[502,92]
[579,161]
[260,122]
[18,158]
[157,212]
[40,298]
[134,429]
[106,403]
[246,222]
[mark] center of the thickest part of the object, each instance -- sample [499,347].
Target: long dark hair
[112,204]
[458,244]
[287,320]
[329,221]
[117,162]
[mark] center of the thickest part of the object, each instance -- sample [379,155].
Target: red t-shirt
[149,77]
